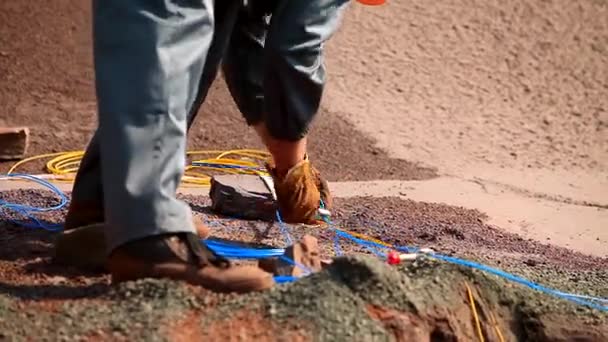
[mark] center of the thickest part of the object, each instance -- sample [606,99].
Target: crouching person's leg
[294,81]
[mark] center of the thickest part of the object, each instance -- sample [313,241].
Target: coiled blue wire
[29,211]
[231,251]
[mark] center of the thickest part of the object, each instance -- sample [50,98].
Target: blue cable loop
[337,248]
[27,211]
[233,251]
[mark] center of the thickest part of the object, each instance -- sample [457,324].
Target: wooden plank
[14,142]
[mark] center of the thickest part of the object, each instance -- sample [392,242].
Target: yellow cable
[64,165]
[196,152]
[27,160]
[246,152]
[496,327]
[474,310]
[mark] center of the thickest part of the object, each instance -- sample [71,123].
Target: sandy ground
[511,95]
[467,84]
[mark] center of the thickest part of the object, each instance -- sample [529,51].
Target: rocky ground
[358,298]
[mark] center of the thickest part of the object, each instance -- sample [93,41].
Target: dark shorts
[271,55]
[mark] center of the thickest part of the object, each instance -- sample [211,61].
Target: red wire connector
[395,258]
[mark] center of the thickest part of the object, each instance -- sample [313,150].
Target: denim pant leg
[149,56]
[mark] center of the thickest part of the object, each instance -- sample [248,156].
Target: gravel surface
[357,298]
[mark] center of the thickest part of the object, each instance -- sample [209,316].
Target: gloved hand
[299,192]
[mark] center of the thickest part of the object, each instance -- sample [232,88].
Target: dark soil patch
[356,298]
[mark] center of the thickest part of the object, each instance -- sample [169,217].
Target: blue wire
[239,252]
[284,229]
[26,210]
[306,270]
[603,300]
[564,295]
[62,196]
[336,239]
[337,245]
[284,279]
[520,280]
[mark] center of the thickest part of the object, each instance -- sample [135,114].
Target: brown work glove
[299,192]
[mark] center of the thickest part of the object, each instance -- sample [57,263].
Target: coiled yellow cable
[62,166]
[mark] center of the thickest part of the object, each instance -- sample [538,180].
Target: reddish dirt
[440,325]
[186,329]
[246,326]
[403,326]
[477,85]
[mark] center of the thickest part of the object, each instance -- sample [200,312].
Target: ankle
[285,161]
[285,153]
